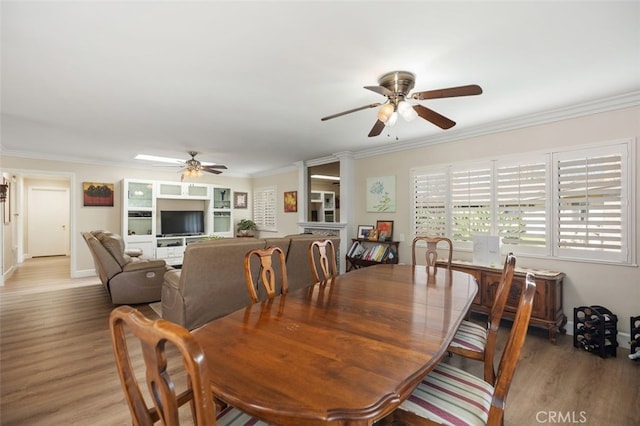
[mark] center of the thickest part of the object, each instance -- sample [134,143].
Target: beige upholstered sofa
[127,278]
[212,283]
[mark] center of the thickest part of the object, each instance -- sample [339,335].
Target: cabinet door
[222,198]
[138,209]
[197,191]
[139,194]
[169,189]
[539,301]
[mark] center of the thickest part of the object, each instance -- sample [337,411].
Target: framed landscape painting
[97,194]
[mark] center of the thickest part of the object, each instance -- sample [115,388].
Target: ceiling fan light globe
[385,112]
[406,111]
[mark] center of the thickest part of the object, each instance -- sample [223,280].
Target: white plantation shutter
[592,204]
[264,208]
[430,200]
[521,203]
[573,204]
[470,200]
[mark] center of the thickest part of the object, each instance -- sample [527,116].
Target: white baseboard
[83,273]
[623,338]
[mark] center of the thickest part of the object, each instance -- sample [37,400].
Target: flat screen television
[178,222]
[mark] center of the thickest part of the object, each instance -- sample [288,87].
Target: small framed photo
[240,200]
[373,235]
[363,231]
[385,230]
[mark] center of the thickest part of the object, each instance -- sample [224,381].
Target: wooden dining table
[346,351]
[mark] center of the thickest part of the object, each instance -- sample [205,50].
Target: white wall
[287,223]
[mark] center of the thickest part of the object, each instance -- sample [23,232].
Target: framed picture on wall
[97,194]
[291,201]
[240,200]
[381,194]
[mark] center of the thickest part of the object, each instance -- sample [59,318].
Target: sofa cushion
[115,246]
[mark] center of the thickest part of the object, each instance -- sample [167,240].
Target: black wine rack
[595,329]
[634,347]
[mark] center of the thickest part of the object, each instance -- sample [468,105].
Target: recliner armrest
[172,278]
[143,264]
[133,252]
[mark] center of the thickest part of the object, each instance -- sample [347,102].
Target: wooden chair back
[153,337]
[322,257]
[431,255]
[495,316]
[267,275]
[512,350]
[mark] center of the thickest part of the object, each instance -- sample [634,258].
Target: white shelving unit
[140,215]
[323,206]
[171,249]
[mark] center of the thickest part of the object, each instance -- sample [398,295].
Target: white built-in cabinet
[323,206]
[141,218]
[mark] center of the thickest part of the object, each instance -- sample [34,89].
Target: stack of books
[374,252]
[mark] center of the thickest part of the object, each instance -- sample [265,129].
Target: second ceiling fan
[396,86]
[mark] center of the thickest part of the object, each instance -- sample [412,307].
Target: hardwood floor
[57,365]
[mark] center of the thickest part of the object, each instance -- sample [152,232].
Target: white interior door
[48,221]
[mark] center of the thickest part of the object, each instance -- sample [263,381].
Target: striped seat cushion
[230,416]
[470,336]
[451,396]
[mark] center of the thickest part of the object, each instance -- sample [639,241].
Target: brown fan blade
[329,117]
[376,129]
[208,169]
[432,116]
[214,166]
[380,90]
[451,92]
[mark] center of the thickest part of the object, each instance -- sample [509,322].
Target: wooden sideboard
[547,305]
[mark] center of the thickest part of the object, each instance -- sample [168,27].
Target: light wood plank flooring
[57,366]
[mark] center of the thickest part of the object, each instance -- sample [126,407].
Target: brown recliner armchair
[127,278]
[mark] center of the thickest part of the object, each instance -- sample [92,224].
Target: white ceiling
[246,83]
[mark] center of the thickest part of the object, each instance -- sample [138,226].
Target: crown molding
[626,100]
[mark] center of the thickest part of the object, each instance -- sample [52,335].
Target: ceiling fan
[396,86]
[194,168]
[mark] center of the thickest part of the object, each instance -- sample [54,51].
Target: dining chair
[477,341]
[431,255]
[267,274]
[451,396]
[153,337]
[322,257]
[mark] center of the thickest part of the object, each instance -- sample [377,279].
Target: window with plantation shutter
[521,204]
[430,200]
[264,208]
[471,202]
[572,204]
[592,204]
